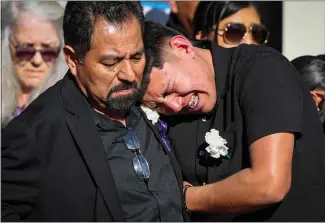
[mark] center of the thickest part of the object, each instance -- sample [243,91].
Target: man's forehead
[117,39]
[104,27]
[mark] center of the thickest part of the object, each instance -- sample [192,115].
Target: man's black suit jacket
[54,167]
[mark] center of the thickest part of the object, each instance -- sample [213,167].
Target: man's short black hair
[80,17]
[156,37]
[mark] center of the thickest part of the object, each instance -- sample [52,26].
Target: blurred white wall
[303,28]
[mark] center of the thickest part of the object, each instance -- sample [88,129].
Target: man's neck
[116,117]
[207,59]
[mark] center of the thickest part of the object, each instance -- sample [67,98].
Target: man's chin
[121,105]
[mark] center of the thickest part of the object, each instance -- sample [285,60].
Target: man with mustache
[246,132]
[84,151]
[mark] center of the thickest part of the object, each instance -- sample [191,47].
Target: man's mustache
[121,87]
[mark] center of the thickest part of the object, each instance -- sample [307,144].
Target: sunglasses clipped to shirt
[140,164]
[235,32]
[26,53]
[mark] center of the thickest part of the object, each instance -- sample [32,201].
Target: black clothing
[54,166]
[259,93]
[174,23]
[160,197]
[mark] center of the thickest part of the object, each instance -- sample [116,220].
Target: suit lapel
[82,128]
[170,154]
[172,158]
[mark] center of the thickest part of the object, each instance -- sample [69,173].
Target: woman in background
[31,45]
[229,23]
[312,71]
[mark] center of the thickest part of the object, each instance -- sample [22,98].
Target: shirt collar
[106,124]
[221,62]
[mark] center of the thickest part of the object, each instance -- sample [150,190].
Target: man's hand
[185,183]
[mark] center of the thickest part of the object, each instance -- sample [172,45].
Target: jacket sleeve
[20,171]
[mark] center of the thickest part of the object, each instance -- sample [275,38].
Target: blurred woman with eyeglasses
[31,44]
[229,23]
[312,71]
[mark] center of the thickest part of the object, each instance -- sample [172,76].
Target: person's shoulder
[262,65]
[252,51]
[45,109]
[254,54]
[49,101]
[261,57]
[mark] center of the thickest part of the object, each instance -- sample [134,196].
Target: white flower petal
[152,115]
[213,152]
[216,144]
[223,150]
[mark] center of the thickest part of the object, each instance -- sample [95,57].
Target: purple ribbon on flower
[162,127]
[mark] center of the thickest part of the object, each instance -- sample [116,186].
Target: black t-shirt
[259,93]
[158,199]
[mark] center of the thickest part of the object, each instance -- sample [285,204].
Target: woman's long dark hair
[210,13]
[312,71]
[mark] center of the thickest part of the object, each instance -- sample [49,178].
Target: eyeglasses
[140,164]
[49,54]
[235,32]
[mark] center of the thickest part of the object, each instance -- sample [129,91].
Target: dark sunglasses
[140,164]
[49,54]
[235,32]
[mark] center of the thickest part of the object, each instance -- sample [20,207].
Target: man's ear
[181,45]
[317,98]
[173,6]
[70,59]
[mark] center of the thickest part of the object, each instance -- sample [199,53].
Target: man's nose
[126,73]
[174,104]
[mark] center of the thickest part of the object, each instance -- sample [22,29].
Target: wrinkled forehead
[31,28]
[122,37]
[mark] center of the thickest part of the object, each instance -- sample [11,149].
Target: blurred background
[296,27]
[32,40]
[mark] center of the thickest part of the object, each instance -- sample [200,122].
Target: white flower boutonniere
[152,115]
[216,143]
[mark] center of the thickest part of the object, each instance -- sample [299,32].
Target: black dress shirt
[159,198]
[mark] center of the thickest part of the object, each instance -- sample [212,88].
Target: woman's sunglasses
[140,164]
[49,54]
[235,32]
